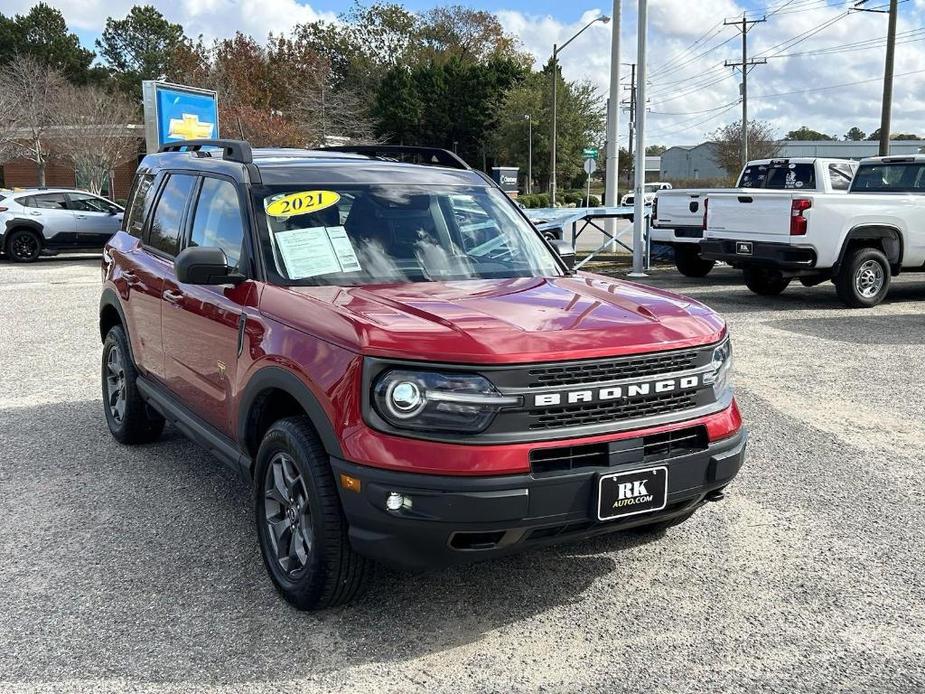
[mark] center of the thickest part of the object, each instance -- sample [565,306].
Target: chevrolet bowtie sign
[174,112]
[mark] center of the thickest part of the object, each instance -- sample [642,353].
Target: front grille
[544,460]
[575,373]
[596,413]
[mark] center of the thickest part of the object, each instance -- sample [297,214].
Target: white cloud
[681,85]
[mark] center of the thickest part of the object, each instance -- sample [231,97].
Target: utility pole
[886,106]
[639,209]
[613,114]
[630,125]
[743,25]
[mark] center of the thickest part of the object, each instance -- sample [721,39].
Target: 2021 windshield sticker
[288,205]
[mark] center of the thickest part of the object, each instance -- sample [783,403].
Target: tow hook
[715,495]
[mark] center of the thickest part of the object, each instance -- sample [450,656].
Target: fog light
[395,501]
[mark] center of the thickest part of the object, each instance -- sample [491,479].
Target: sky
[824,64]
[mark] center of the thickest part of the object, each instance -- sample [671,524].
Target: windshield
[653,187]
[378,234]
[779,176]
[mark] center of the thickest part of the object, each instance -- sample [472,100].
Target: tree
[458,32]
[32,91]
[398,108]
[855,134]
[728,143]
[875,136]
[42,34]
[93,132]
[655,150]
[804,133]
[139,47]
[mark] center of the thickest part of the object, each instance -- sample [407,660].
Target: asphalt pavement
[137,569]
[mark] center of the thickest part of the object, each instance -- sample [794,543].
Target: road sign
[590,166]
[589,153]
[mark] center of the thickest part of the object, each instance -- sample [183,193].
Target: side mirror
[565,251]
[205,265]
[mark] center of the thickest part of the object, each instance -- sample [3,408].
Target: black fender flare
[32,225]
[889,233]
[274,377]
[109,299]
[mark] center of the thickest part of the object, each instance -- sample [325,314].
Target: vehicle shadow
[141,563]
[865,329]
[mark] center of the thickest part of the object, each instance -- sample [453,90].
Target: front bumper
[460,519]
[778,256]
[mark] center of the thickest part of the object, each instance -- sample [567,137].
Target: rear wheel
[765,282]
[300,522]
[689,263]
[130,420]
[23,245]
[864,278]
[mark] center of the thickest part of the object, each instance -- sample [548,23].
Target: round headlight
[405,399]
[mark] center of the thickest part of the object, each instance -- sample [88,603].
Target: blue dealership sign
[174,112]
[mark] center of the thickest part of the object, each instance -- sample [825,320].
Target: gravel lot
[138,569]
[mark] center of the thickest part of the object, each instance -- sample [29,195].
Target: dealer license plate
[622,494]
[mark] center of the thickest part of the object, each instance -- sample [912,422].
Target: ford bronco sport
[404,369]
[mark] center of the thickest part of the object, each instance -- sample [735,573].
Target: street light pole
[556,50]
[639,209]
[529,153]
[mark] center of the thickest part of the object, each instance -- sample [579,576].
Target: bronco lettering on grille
[625,392]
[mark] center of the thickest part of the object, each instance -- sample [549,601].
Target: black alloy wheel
[287,514]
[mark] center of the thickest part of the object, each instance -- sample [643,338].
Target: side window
[50,201]
[840,175]
[139,203]
[84,202]
[168,215]
[218,221]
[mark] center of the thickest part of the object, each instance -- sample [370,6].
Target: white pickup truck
[677,215]
[859,240]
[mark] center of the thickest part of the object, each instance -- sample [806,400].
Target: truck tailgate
[681,208]
[761,217]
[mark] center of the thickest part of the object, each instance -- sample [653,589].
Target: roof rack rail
[428,155]
[232,150]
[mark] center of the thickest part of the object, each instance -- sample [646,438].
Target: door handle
[172,296]
[36,214]
[130,277]
[81,216]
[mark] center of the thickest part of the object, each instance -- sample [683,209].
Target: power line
[910,36]
[715,29]
[697,124]
[835,86]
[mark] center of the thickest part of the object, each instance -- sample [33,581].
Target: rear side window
[139,203]
[907,177]
[840,175]
[168,215]
[47,201]
[218,220]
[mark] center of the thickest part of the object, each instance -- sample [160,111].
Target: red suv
[404,369]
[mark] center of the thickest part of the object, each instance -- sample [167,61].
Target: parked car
[859,241]
[629,199]
[400,364]
[677,215]
[34,221]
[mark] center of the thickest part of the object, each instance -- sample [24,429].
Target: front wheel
[765,282]
[864,278]
[300,522]
[689,263]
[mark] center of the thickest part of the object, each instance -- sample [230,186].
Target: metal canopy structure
[580,218]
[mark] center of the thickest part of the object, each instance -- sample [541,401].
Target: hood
[497,321]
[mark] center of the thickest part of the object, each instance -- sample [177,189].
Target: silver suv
[51,220]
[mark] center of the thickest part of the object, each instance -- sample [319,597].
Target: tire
[23,246]
[300,523]
[864,278]
[130,420]
[689,263]
[765,282]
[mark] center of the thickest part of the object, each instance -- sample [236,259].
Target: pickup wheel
[300,522]
[130,420]
[23,246]
[864,278]
[689,263]
[765,282]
